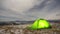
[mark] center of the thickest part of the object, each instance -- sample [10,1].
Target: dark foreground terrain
[22,29]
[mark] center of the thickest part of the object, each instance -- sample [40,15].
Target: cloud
[18,5]
[47,9]
[15,8]
[29,9]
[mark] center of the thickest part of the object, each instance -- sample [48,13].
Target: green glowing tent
[40,24]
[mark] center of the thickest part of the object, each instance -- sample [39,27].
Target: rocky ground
[21,29]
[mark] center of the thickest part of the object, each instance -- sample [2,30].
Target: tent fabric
[40,24]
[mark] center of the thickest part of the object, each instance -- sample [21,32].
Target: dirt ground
[21,29]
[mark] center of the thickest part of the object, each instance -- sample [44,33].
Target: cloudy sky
[29,9]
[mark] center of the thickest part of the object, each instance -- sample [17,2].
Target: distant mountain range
[24,22]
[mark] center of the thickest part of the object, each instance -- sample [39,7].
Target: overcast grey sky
[29,9]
